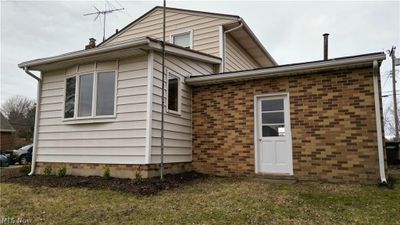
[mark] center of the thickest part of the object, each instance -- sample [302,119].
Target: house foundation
[116,170]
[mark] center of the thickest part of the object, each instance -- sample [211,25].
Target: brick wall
[332,121]
[6,141]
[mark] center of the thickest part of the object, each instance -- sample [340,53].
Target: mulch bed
[142,187]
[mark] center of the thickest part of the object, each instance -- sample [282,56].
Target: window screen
[85,95]
[182,39]
[69,106]
[173,92]
[105,93]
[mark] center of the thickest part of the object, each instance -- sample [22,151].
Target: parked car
[23,155]
[5,160]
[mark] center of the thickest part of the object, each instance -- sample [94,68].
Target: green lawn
[207,201]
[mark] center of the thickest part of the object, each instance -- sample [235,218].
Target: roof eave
[145,43]
[304,68]
[7,130]
[83,53]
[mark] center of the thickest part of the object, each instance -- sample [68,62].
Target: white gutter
[36,130]
[283,70]
[151,43]
[84,53]
[224,43]
[378,118]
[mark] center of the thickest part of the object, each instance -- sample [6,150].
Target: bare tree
[20,112]
[390,128]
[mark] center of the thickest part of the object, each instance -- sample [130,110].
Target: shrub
[47,170]
[138,176]
[62,172]
[107,173]
[25,169]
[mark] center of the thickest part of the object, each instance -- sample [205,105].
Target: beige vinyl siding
[204,28]
[119,141]
[177,128]
[236,57]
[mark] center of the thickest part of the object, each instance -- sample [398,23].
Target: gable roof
[244,35]
[5,126]
[349,62]
[169,9]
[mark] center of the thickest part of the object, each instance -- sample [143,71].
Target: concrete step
[275,178]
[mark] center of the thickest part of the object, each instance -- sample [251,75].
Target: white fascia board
[84,53]
[283,70]
[145,42]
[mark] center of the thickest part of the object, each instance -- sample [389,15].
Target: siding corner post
[149,110]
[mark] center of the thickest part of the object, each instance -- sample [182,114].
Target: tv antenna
[104,14]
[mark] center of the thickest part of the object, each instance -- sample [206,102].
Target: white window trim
[170,111]
[171,37]
[93,118]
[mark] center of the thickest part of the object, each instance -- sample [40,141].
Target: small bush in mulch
[107,173]
[25,169]
[144,187]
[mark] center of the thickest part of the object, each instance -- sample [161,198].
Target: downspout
[379,134]
[35,132]
[224,43]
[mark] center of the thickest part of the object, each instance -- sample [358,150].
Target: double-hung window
[90,95]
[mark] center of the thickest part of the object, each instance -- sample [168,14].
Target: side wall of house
[205,29]
[177,128]
[117,141]
[332,121]
[236,58]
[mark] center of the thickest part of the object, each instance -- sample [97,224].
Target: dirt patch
[143,187]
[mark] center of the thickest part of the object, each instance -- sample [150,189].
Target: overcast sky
[290,31]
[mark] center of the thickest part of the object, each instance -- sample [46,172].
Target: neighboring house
[230,109]
[6,133]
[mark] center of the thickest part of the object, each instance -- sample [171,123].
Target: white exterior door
[274,147]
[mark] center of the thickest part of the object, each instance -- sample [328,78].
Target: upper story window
[182,39]
[90,95]
[173,93]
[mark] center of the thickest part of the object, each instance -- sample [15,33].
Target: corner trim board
[150,74]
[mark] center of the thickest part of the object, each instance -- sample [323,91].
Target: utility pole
[392,54]
[163,95]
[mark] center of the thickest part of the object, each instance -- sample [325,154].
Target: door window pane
[69,106]
[273,117]
[85,95]
[105,93]
[272,105]
[273,130]
[173,92]
[182,39]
